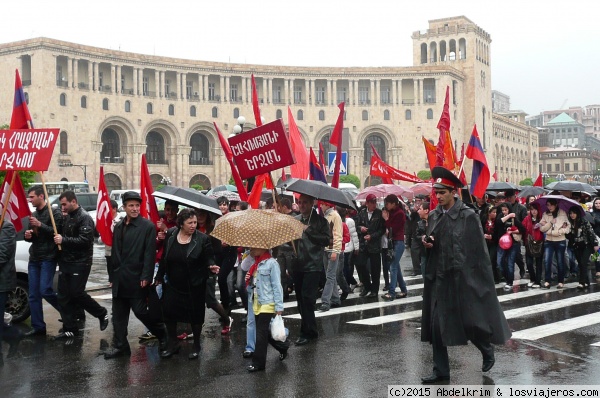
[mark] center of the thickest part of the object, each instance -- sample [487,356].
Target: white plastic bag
[277,329]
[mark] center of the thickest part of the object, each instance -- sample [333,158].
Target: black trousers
[284,258]
[263,339]
[441,364]
[73,298]
[120,311]
[226,267]
[370,280]
[307,285]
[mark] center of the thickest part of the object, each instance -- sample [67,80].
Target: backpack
[345,235]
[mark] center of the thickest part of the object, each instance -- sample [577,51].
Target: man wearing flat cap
[459,296]
[132,270]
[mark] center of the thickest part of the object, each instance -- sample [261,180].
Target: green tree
[527,181]
[27,177]
[350,178]
[424,175]
[197,187]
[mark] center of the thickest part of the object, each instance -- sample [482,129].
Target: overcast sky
[545,54]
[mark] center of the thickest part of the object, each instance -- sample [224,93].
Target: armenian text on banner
[261,150]
[27,150]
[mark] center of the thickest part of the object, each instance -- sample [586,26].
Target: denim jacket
[267,284]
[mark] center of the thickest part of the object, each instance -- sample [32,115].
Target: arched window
[63,99]
[112,182]
[300,115]
[429,113]
[236,113]
[155,148]
[462,49]
[423,53]
[408,114]
[386,115]
[105,104]
[64,143]
[321,115]
[83,101]
[278,114]
[111,147]
[200,149]
[215,111]
[149,108]
[127,106]
[365,115]
[200,180]
[377,141]
[193,111]
[171,110]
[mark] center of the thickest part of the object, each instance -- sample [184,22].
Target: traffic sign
[331,163]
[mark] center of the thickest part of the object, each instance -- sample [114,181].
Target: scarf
[254,267]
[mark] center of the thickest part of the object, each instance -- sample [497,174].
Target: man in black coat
[308,266]
[459,296]
[132,269]
[75,264]
[8,273]
[370,228]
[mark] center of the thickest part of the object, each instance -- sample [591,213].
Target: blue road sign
[331,163]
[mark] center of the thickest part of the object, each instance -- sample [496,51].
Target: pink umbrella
[383,190]
[421,188]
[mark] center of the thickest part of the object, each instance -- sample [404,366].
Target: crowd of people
[167,273]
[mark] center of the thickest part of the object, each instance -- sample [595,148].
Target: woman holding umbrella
[583,241]
[555,225]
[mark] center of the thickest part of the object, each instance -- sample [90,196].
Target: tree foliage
[424,175]
[350,178]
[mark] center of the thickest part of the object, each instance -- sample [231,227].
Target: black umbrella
[188,197]
[535,191]
[572,186]
[318,190]
[501,186]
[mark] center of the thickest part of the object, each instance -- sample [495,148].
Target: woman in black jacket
[187,261]
[507,222]
[583,242]
[595,212]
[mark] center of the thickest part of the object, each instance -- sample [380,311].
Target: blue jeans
[250,324]
[573,268]
[511,255]
[550,248]
[330,293]
[395,271]
[41,278]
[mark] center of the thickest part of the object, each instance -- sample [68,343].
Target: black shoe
[336,305]
[324,308]
[371,295]
[163,344]
[302,341]
[283,355]
[168,353]
[253,369]
[65,335]
[386,288]
[117,352]
[247,354]
[34,333]
[343,296]
[103,321]
[194,355]
[364,293]
[433,378]
[488,364]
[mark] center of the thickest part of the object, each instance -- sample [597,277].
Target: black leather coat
[42,240]
[312,245]
[8,247]
[78,241]
[375,228]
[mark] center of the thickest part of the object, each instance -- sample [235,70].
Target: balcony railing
[299,102]
[200,161]
[214,98]
[61,83]
[236,99]
[26,83]
[158,161]
[84,86]
[408,102]
[111,159]
[104,89]
[128,91]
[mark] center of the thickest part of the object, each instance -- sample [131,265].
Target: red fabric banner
[430,150]
[104,218]
[27,150]
[381,169]
[20,115]
[148,209]
[384,180]
[539,181]
[17,206]
[336,139]
[255,107]
[443,127]
[300,168]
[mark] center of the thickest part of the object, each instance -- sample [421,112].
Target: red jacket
[396,223]
[529,224]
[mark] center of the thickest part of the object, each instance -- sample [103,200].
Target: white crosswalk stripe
[550,329]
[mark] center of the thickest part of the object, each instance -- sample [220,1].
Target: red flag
[449,154]
[17,206]
[20,114]
[315,170]
[443,126]
[480,177]
[495,175]
[148,209]
[430,150]
[539,182]
[336,139]
[322,159]
[381,169]
[255,107]
[254,197]
[462,177]
[104,218]
[385,180]
[300,169]
[234,171]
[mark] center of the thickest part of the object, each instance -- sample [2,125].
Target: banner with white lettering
[27,150]
[261,150]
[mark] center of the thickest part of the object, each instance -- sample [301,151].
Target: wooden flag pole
[5,204]
[49,206]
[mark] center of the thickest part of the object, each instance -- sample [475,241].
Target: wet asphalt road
[558,330]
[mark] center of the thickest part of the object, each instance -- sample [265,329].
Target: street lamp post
[544,176]
[83,167]
[166,181]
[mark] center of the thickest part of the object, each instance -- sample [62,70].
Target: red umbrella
[383,190]
[422,188]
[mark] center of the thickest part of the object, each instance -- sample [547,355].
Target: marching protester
[457,261]
[187,260]
[308,266]
[8,273]
[595,213]
[370,229]
[395,219]
[584,242]
[346,240]
[330,297]
[43,254]
[520,213]
[285,253]
[226,259]
[507,223]
[534,241]
[132,268]
[555,225]
[419,233]
[75,264]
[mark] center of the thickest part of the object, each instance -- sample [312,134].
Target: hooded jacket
[312,244]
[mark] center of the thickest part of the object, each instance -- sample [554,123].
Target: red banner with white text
[27,150]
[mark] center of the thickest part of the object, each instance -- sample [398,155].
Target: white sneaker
[530,284]
[507,287]
[535,286]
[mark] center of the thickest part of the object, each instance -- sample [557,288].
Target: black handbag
[534,247]
[390,245]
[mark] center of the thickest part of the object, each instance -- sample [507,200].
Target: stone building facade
[113,106]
